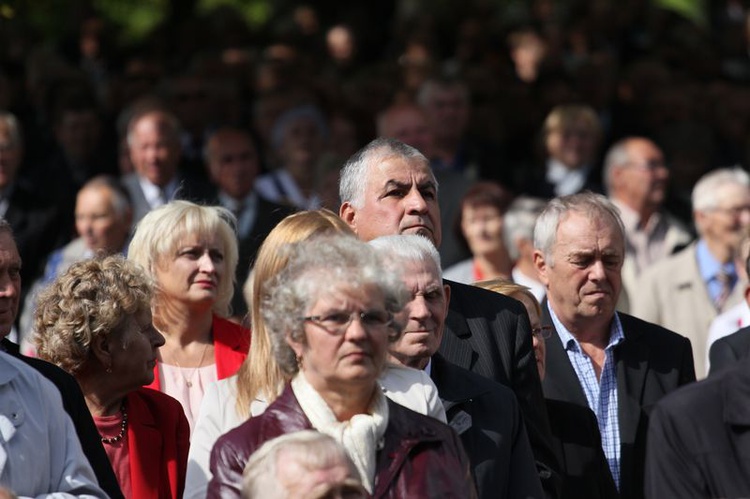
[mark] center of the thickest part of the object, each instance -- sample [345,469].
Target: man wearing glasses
[686,291]
[637,178]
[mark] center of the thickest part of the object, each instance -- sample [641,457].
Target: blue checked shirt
[600,394]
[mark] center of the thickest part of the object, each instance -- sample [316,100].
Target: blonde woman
[190,251]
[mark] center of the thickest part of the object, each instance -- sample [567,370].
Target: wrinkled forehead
[393,168]
[421,273]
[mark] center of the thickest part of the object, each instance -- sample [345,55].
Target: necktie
[725,281]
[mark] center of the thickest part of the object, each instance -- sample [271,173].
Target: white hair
[398,250]
[707,191]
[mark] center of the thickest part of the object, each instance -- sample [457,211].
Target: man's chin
[420,231]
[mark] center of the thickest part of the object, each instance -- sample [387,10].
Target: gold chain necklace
[189,379]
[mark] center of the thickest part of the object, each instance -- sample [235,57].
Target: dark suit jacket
[489,334]
[486,416]
[158,443]
[41,222]
[699,439]
[575,433]
[727,351]
[650,362]
[190,189]
[75,406]
[267,216]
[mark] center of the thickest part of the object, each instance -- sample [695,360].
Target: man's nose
[7,288]
[416,202]
[419,309]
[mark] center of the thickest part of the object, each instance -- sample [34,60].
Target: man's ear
[747,295]
[348,214]
[541,266]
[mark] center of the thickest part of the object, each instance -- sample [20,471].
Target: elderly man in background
[233,164]
[518,233]
[103,218]
[609,362]
[484,413]
[388,188]
[636,178]
[686,291]
[153,138]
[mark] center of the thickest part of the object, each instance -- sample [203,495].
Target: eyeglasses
[648,165]
[338,322]
[734,211]
[542,332]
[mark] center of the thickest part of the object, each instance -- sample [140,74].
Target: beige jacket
[672,294]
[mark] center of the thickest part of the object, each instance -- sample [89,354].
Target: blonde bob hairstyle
[160,233]
[260,376]
[92,298]
[510,288]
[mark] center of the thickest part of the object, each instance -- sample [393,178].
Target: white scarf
[360,436]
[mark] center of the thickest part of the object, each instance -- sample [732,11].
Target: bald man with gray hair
[637,176]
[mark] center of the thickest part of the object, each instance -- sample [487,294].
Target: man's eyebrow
[427,184]
[397,183]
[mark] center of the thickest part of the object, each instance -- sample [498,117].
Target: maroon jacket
[421,457]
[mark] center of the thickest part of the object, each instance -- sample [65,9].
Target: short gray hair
[121,201]
[706,193]
[313,449]
[617,155]
[317,266]
[397,250]
[594,206]
[354,173]
[519,220]
[167,120]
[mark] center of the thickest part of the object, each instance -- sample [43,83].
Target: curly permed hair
[92,298]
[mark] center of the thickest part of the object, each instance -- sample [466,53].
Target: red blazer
[231,344]
[158,443]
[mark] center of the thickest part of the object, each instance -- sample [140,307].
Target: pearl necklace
[123,428]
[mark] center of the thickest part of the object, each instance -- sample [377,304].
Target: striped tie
[724,279]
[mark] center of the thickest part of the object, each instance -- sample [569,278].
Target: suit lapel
[561,381]
[457,331]
[145,448]
[632,361]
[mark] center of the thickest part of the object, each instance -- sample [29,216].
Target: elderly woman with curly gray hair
[329,314]
[94,321]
